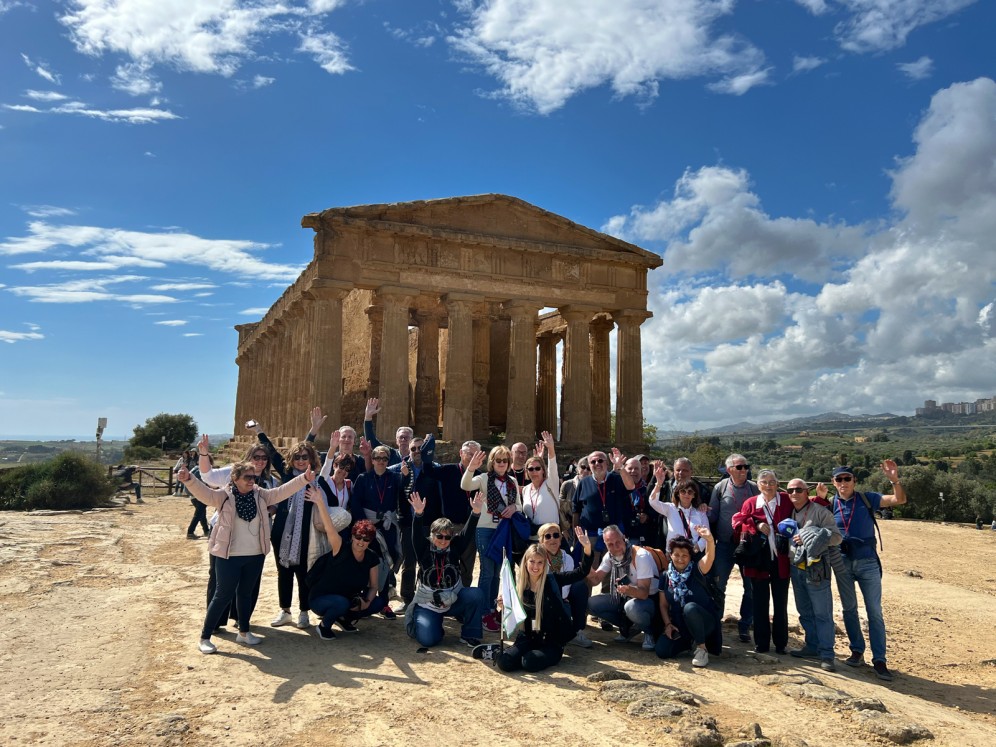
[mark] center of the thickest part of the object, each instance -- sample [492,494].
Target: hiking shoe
[326,634]
[284,618]
[486,652]
[490,622]
[744,636]
[827,665]
[347,625]
[472,642]
[388,613]
[303,622]
[206,647]
[581,640]
[648,642]
[191,536]
[882,671]
[855,659]
[248,639]
[700,658]
[781,651]
[803,653]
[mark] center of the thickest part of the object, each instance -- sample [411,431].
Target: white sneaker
[700,658]
[648,642]
[248,639]
[302,620]
[284,618]
[206,647]
[581,640]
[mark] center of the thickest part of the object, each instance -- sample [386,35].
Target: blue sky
[818,175]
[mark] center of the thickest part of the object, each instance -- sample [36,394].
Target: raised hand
[583,538]
[477,502]
[703,531]
[821,491]
[334,442]
[309,474]
[539,449]
[476,461]
[404,468]
[372,408]
[317,419]
[183,475]
[660,472]
[417,503]
[312,495]
[365,448]
[891,470]
[548,441]
[618,459]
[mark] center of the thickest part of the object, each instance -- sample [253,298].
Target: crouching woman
[439,592]
[239,541]
[548,627]
[692,619]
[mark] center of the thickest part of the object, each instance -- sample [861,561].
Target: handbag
[753,552]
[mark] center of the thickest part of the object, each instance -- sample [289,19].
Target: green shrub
[136,454]
[69,481]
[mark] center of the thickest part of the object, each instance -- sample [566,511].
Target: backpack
[660,558]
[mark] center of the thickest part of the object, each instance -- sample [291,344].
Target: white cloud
[740,84]
[261,81]
[47,211]
[545,51]
[172,323]
[192,35]
[140,115]
[910,315]
[255,311]
[108,263]
[805,64]
[45,95]
[41,70]
[816,7]
[12,337]
[181,286]
[918,70]
[193,334]
[136,79]
[88,291]
[715,221]
[327,49]
[221,255]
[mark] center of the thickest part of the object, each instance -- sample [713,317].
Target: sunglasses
[258,457]
[301,458]
[687,490]
[501,461]
[842,478]
[361,539]
[596,461]
[797,490]
[443,537]
[248,477]
[379,459]
[534,468]
[584,468]
[740,466]
[551,536]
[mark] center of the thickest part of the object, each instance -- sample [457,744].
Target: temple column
[427,373]
[300,352]
[577,376]
[393,386]
[271,422]
[458,407]
[520,423]
[375,315]
[244,363]
[546,387]
[629,377]
[601,400]
[481,376]
[324,323]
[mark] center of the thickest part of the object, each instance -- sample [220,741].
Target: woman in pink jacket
[239,541]
[760,515]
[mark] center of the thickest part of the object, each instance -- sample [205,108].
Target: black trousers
[200,517]
[776,590]
[532,655]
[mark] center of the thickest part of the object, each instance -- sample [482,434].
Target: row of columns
[297,362]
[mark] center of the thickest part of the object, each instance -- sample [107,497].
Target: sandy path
[100,616]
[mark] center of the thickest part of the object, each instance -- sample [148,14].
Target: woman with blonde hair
[502,501]
[548,627]
[540,494]
[576,595]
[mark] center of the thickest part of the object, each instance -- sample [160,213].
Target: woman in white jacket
[239,540]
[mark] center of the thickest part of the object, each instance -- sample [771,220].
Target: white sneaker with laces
[700,658]
[648,642]
[303,621]
[581,640]
[206,647]
[248,639]
[284,618]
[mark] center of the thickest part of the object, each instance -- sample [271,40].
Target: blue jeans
[815,605]
[637,612]
[333,606]
[868,575]
[468,609]
[487,581]
[694,626]
[236,578]
[722,568]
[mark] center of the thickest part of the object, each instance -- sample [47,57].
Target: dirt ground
[101,613]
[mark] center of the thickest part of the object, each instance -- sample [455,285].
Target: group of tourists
[636,547]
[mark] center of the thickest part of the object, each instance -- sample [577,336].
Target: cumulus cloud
[261,81]
[327,49]
[12,337]
[918,70]
[908,315]
[545,51]
[221,255]
[805,64]
[136,79]
[715,221]
[192,35]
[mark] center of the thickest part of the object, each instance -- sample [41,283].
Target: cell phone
[250,424]
[675,634]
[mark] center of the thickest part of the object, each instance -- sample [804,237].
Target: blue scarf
[677,581]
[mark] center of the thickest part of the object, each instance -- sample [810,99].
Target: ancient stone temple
[450,311]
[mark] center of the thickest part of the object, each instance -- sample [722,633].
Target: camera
[250,424]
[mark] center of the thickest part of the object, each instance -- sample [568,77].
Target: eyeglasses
[415,448]
[247,477]
[500,461]
[584,468]
[797,490]
[361,539]
[740,466]
[596,461]
[378,459]
[301,458]
[842,478]
[767,482]
[551,536]
[259,457]
[687,490]
[534,468]
[443,537]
